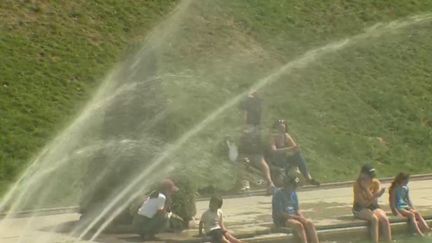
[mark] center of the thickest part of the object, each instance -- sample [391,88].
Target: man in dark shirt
[252,107]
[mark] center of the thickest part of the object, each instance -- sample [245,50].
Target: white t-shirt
[151,205]
[211,220]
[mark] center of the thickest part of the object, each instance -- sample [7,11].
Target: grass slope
[52,56]
[369,102]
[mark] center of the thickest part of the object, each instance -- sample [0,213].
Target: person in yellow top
[367,189]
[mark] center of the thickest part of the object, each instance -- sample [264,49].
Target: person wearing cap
[367,189]
[153,215]
[286,211]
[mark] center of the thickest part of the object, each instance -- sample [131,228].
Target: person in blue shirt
[286,211]
[401,205]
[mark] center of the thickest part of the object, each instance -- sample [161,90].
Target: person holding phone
[367,189]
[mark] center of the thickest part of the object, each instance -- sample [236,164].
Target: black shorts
[357,208]
[216,235]
[279,222]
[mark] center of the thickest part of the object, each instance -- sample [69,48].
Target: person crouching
[153,216]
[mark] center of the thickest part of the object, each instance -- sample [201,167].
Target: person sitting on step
[286,212]
[286,153]
[367,189]
[212,223]
[401,205]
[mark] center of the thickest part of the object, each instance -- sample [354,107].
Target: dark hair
[398,180]
[280,121]
[216,200]
[154,194]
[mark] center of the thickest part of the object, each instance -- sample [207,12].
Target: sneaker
[245,186]
[260,182]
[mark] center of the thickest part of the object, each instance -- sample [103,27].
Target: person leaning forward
[153,215]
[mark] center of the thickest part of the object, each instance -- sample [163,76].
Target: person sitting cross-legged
[286,212]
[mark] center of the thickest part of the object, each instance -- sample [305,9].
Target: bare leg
[368,215]
[424,227]
[385,224]
[297,226]
[225,240]
[231,238]
[311,231]
[265,169]
[411,220]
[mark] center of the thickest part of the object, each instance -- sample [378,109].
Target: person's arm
[379,191]
[291,145]
[372,196]
[393,203]
[299,214]
[221,223]
[409,201]
[243,107]
[200,228]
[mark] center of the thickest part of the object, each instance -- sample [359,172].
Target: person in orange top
[367,189]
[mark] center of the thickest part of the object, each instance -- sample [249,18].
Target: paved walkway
[245,216]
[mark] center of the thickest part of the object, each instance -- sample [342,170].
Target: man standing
[252,107]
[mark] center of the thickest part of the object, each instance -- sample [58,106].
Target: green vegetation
[366,103]
[52,56]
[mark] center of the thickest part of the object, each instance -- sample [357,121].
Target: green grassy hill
[52,57]
[369,102]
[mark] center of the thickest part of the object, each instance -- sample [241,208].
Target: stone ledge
[358,229]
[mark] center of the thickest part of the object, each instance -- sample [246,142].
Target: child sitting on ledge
[401,205]
[212,222]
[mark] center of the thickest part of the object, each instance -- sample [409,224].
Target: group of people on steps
[153,215]
[367,189]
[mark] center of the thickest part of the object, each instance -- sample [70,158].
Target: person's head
[281,126]
[168,187]
[401,179]
[367,173]
[290,182]
[253,93]
[215,203]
